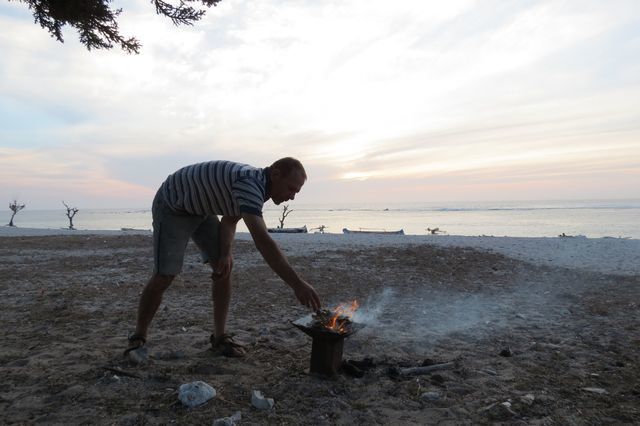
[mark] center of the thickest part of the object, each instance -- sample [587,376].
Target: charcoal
[363,364]
[351,369]
[506,352]
[429,361]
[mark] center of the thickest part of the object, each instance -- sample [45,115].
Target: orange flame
[342,311]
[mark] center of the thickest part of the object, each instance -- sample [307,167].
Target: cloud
[367,94]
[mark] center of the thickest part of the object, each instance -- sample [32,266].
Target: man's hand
[223,267]
[307,295]
[276,260]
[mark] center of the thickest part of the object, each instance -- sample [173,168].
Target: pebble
[599,391]
[430,396]
[528,399]
[260,402]
[195,393]
[489,371]
[507,407]
[228,421]
[138,356]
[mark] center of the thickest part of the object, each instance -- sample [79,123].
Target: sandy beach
[536,331]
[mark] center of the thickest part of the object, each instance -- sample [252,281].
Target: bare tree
[15,208]
[71,212]
[96,21]
[285,213]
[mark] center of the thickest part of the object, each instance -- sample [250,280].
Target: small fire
[341,318]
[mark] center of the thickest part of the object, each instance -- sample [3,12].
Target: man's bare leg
[221,296]
[150,301]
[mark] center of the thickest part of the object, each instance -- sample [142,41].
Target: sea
[590,218]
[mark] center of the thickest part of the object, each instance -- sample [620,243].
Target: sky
[406,101]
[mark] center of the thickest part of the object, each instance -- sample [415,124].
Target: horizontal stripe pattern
[222,188]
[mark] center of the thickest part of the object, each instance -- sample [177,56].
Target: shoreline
[15,231]
[608,255]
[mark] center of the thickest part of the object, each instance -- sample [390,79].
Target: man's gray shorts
[171,233]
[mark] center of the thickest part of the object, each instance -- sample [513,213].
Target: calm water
[592,218]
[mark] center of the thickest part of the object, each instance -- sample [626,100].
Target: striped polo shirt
[217,187]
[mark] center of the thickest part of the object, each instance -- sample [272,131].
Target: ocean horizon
[538,218]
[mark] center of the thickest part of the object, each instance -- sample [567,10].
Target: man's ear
[276,174]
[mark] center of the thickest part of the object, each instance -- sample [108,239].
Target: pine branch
[97,23]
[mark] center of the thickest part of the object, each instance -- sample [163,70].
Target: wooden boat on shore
[372,231]
[300,230]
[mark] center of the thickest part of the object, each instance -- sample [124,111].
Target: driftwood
[416,371]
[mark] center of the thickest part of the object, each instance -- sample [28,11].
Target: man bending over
[188,204]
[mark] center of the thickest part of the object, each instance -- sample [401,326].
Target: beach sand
[567,308]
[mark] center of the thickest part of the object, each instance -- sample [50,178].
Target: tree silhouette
[71,212]
[285,213]
[15,208]
[96,22]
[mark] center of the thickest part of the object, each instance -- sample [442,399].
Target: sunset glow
[467,101]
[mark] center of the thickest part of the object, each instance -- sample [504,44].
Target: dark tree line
[96,21]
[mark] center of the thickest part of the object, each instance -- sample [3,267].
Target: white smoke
[431,314]
[414,321]
[373,308]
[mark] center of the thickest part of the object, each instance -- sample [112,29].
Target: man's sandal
[226,346]
[136,341]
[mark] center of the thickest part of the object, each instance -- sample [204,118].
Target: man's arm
[278,262]
[226,234]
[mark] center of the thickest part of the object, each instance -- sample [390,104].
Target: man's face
[285,188]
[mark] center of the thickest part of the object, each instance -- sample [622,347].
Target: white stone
[228,421]
[528,399]
[195,393]
[490,372]
[138,356]
[595,390]
[260,402]
[430,396]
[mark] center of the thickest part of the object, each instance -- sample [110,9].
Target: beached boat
[300,230]
[372,231]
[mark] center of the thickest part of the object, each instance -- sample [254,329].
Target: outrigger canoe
[300,230]
[372,231]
